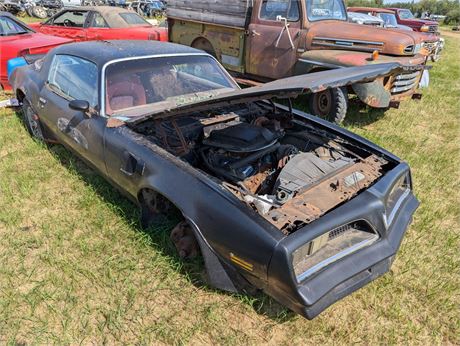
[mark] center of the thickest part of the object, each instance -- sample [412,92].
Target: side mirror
[79,105]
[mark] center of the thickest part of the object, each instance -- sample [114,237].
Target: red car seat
[124,92]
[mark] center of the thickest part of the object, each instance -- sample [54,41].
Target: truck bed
[229,13]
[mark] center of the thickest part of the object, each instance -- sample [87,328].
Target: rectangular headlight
[330,247]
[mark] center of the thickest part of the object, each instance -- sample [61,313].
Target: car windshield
[389,19]
[9,27]
[325,10]
[136,87]
[405,14]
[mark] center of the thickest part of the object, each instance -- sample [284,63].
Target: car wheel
[39,12]
[330,104]
[29,11]
[32,121]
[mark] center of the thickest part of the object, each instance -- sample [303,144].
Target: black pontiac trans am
[272,198]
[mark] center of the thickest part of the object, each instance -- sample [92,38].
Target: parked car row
[47,8]
[272,198]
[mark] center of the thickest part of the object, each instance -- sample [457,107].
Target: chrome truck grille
[430,46]
[404,82]
[433,28]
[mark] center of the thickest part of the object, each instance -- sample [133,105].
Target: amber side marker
[375,55]
[241,262]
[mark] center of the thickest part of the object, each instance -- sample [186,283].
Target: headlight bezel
[318,248]
[398,193]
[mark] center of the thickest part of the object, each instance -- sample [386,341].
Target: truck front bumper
[317,292]
[380,93]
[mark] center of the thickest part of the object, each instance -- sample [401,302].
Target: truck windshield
[135,87]
[389,19]
[325,10]
[405,14]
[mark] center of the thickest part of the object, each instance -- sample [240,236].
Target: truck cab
[264,40]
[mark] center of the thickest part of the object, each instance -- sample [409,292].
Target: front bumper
[341,278]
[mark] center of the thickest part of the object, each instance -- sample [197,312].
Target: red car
[100,23]
[405,17]
[17,39]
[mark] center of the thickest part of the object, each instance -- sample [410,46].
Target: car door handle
[132,165]
[255,33]
[42,101]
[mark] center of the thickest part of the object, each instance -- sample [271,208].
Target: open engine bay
[287,170]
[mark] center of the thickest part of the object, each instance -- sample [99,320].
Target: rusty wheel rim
[34,125]
[324,102]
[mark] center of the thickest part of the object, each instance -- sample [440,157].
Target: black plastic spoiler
[290,87]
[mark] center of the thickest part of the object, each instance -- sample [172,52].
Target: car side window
[271,9]
[74,78]
[75,19]
[98,21]
[9,27]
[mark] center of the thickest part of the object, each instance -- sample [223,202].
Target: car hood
[350,36]
[420,22]
[282,88]
[34,41]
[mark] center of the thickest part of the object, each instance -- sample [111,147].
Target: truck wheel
[32,121]
[39,12]
[330,104]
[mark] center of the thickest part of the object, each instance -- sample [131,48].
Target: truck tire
[330,104]
[39,12]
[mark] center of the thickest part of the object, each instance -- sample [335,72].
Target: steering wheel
[68,22]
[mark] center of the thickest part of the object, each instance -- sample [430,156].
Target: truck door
[274,36]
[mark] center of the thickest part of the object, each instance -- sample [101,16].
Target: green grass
[76,268]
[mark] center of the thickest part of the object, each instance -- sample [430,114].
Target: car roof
[370,9]
[101,52]
[111,14]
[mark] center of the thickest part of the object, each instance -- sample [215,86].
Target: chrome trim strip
[388,220]
[336,257]
[348,41]
[104,67]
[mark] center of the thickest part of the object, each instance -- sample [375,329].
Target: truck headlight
[330,247]
[424,28]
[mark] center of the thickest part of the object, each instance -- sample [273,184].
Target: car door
[70,23]
[274,36]
[73,78]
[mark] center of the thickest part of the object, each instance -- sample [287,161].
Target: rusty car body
[430,40]
[274,199]
[266,40]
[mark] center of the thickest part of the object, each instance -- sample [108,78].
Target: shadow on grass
[360,114]
[159,233]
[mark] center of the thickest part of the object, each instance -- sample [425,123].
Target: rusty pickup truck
[263,40]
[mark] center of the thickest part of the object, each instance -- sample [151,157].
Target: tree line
[448,8]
